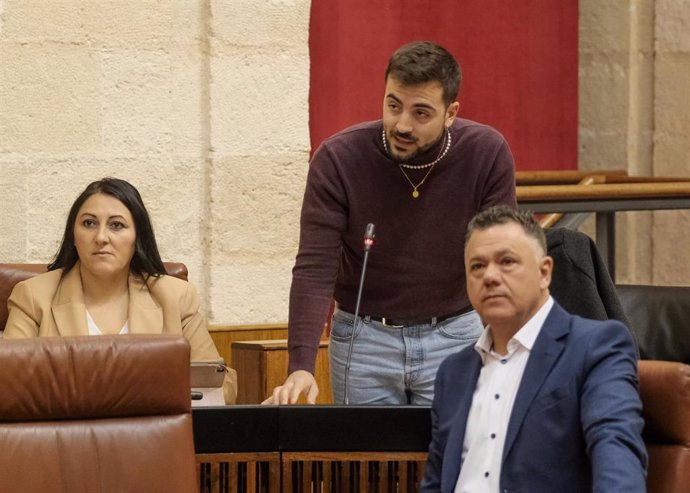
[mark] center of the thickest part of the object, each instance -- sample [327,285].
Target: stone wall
[635,115]
[203,105]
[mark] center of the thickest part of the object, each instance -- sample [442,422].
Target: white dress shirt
[492,405]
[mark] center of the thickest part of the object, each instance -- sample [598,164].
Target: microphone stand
[368,242]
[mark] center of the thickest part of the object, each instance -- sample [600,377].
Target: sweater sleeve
[500,183]
[323,221]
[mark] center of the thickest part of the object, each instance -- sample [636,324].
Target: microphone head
[369,232]
[369,236]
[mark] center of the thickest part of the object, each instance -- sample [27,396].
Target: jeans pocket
[465,327]
[342,326]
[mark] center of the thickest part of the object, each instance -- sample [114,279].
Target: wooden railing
[609,192]
[563,177]
[573,177]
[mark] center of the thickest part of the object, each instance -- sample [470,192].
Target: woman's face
[105,235]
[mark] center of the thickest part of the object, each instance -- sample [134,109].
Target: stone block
[672,94]
[260,103]
[601,150]
[634,247]
[604,92]
[13,204]
[144,24]
[604,26]
[50,98]
[128,24]
[672,26]
[249,292]
[671,255]
[270,24]
[672,155]
[41,21]
[256,203]
[151,103]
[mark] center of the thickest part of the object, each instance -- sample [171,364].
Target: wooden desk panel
[336,449]
[262,365]
[224,335]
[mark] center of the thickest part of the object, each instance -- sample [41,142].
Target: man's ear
[546,268]
[451,113]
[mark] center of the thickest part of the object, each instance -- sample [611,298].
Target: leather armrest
[665,393]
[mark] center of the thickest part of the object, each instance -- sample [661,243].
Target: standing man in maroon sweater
[419,174]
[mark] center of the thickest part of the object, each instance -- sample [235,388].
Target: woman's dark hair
[146,260]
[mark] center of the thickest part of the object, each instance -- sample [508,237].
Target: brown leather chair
[11,274]
[659,318]
[665,392]
[84,414]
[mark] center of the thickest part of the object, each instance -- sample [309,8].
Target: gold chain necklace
[401,166]
[415,192]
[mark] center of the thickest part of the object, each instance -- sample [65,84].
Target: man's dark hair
[420,62]
[146,259]
[504,214]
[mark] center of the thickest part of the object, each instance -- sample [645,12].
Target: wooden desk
[224,336]
[262,365]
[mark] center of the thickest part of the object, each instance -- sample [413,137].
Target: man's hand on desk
[297,383]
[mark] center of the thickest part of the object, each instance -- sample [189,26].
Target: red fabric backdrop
[519,61]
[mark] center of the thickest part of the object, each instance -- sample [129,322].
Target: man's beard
[408,136]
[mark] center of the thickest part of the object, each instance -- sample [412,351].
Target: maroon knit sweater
[416,266]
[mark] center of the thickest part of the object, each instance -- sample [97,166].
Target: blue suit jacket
[576,422]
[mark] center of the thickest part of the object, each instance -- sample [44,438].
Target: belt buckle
[383,321]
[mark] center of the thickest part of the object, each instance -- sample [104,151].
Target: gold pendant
[415,194]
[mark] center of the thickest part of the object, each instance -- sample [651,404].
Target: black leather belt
[395,322]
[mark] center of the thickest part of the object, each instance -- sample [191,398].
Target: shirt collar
[525,336]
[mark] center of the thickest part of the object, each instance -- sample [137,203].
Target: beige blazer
[50,305]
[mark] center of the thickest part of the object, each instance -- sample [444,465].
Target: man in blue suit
[545,401]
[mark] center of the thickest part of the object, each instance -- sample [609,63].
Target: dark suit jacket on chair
[575,425]
[580,281]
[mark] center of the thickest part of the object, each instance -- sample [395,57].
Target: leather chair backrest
[11,274]
[84,414]
[660,320]
[665,393]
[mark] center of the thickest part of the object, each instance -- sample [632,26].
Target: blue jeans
[392,365]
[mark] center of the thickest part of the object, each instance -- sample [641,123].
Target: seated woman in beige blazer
[108,278]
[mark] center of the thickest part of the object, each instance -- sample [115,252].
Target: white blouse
[95,331]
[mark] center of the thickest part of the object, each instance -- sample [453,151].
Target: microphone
[368,243]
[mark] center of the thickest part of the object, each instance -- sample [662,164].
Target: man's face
[508,276]
[414,117]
